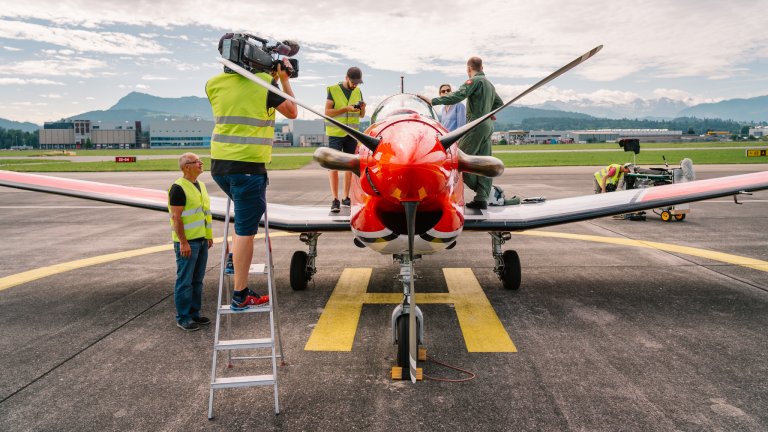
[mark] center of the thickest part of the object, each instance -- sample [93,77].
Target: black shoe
[477,205]
[335,206]
[346,202]
[188,326]
[203,321]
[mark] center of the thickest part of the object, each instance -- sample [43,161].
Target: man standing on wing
[481,99]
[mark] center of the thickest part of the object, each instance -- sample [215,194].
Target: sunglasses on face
[445,91]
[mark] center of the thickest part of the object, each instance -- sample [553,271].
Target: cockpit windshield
[402,104]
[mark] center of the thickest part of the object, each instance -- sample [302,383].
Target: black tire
[299,274]
[402,346]
[680,216]
[511,275]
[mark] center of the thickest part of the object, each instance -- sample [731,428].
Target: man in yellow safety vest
[344,102]
[608,178]
[190,210]
[241,146]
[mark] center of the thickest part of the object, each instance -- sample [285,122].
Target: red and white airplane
[407,199]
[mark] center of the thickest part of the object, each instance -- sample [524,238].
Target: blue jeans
[190,271]
[249,193]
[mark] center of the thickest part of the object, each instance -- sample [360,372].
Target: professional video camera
[259,55]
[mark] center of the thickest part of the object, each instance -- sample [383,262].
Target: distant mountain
[22,126]
[188,106]
[147,108]
[661,108]
[753,109]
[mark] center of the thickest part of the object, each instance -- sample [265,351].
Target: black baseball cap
[355,75]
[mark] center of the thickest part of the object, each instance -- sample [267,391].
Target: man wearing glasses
[191,230]
[452,116]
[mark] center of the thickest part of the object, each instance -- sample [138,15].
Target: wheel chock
[397,373]
[422,354]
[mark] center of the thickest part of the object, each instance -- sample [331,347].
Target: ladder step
[258,269]
[253,309]
[255,269]
[243,381]
[243,344]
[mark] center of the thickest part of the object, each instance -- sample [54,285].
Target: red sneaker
[251,299]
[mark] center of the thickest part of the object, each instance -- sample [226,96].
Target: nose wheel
[507,266]
[303,263]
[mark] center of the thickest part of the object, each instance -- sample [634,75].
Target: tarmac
[608,337]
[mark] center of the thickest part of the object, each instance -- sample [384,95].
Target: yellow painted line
[685,250]
[481,327]
[336,328]
[39,273]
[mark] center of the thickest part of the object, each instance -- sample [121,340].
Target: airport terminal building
[171,133]
[82,134]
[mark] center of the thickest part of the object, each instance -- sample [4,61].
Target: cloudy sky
[62,58]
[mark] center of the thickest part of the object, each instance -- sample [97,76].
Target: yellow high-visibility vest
[614,179]
[196,216]
[244,128]
[351,119]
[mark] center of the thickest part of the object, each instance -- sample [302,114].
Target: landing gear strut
[303,263]
[401,321]
[507,266]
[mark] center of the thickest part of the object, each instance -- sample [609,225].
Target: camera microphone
[293,48]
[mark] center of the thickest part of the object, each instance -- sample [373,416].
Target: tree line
[689,125]
[14,137]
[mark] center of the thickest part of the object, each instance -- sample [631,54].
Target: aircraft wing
[285,217]
[559,211]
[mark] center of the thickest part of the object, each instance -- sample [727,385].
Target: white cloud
[10,48]
[28,81]
[75,66]
[517,38]
[142,86]
[154,78]
[51,96]
[80,40]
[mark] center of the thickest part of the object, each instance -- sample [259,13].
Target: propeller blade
[337,160]
[368,141]
[450,138]
[487,166]
[410,217]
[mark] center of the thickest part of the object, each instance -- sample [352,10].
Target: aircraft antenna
[402,84]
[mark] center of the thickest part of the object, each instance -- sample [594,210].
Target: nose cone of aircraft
[410,164]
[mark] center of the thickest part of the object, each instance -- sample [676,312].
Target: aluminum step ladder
[229,345]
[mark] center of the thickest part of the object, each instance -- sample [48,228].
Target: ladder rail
[229,344]
[273,306]
[218,307]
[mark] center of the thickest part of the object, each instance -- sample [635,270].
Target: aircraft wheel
[680,216]
[299,275]
[402,346]
[666,216]
[510,278]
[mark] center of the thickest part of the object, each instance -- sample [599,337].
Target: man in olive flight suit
[481,99]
